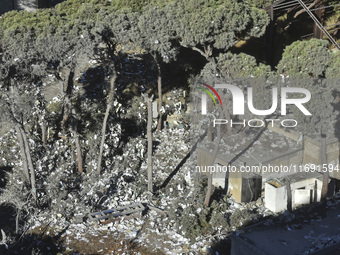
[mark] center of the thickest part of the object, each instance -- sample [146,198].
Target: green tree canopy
[261,3]
[333,69]
[305,59]
[156,32]
[235,66]
[205,25]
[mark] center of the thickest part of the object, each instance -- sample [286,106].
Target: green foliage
[156,32]
[218,214]
[62,18]
[258,23]
[54,107]
[333,2]
[309,60]
[17,23]
[218,23]
[240,218]
[333,69]
[324,113]
[261,3]
[235,66]
[194,223]
[129,5]
[71,6]
[241,66]
[158,27]
[305,59]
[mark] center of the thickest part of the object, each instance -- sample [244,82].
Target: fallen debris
[120,213]
[157,210]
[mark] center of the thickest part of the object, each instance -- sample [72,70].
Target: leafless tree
[109,104]
[13,109]
[149,135]
[213,158]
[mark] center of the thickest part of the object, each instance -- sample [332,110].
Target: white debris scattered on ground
[69,196]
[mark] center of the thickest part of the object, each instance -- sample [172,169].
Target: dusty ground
[105,242]
[46,241]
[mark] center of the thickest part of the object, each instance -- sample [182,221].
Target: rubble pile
[184,227]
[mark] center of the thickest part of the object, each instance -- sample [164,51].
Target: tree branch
[200,51]
[303,10]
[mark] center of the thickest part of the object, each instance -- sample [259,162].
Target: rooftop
[319,234]
[253,147]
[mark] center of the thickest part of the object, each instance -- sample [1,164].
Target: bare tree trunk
[73,129]
[43,131]
[26,158]
[210,134]
[317,33]
[108,109]
[17,218]
[209,191]
[79,154]
[22,152]
[228,118]
[77,140]
[214,155]
[68,109]
[25,153]
[149,135]
[160,95]
[160,114]
[323,151]
[67,89]
[30,164]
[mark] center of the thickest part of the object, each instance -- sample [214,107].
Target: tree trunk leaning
[214,155]
[26,159]
[22,152]
[107,112]
[30,164]
[77,140]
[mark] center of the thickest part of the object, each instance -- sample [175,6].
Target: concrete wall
[238,186]
[311,151]
[244,188]
[275,198]
[333,155]
[312,154]
[219,179]
[235,185]
[309,186]
[203,158]
[303,192]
